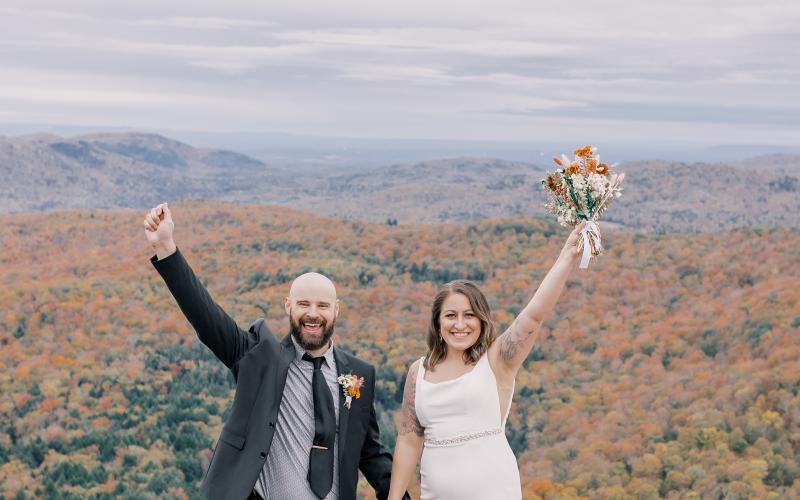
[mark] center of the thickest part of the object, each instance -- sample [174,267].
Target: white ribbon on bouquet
[587,247]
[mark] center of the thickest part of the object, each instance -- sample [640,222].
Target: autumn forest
[670,368]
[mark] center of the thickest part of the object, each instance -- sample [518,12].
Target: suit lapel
[342,368]
[282,368]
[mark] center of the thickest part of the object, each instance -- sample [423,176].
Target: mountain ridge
[49,172]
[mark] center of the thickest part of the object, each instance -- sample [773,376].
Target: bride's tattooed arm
[513,340]
[409,410]
[408,448]
[512,347]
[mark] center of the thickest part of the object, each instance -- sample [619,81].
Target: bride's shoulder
[415,368]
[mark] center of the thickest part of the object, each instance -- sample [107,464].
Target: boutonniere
[351,387]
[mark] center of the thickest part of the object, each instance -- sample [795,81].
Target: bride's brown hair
[437,349]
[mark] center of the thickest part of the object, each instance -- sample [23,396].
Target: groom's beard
[311,343]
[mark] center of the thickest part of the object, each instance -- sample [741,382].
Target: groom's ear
[336,309]
[287,305]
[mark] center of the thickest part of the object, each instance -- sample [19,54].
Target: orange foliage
[49,404]
[672,357]
[101,423]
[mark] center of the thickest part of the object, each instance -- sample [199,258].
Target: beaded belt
[454,441]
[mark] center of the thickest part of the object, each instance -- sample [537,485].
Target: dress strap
[421,369]
[510,400]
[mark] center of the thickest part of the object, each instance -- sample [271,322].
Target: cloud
[412,75]
[441,41]
[92,96]
[410,68]
[204,23]
[228,67]
[667,112]
[11,12]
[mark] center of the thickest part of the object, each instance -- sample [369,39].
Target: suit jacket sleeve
[375,462]
[218,331]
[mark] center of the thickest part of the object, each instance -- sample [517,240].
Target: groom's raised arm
[215,328]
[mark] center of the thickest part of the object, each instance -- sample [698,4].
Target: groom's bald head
[313,284]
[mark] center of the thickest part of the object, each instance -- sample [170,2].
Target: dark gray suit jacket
[259,364]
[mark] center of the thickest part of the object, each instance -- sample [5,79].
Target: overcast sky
[704,71]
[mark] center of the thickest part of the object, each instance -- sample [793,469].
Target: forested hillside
[671,368]
[114,171]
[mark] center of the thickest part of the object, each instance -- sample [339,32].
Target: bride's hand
[571,249]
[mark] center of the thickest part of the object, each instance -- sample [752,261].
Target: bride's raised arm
[511,348]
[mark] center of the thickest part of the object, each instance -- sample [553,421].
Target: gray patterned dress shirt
[285,473]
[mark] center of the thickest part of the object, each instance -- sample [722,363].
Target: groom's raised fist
[158,228]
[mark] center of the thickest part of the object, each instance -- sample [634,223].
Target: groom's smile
[311,327]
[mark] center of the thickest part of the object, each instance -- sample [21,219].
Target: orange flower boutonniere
[351,387]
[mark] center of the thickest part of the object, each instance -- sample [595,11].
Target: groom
[292,433]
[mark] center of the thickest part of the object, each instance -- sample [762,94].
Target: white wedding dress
[466,454]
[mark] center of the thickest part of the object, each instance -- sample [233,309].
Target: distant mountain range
[126,170]
[354,153]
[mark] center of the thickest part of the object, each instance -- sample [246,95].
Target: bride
[457,398]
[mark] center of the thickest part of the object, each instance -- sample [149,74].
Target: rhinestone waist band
[455,441]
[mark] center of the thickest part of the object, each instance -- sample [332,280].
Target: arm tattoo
[511,342]
[410,420]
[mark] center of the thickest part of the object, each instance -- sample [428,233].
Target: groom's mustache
[319,320]
[304,320]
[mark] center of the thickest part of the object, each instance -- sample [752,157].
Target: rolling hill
[141,170]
